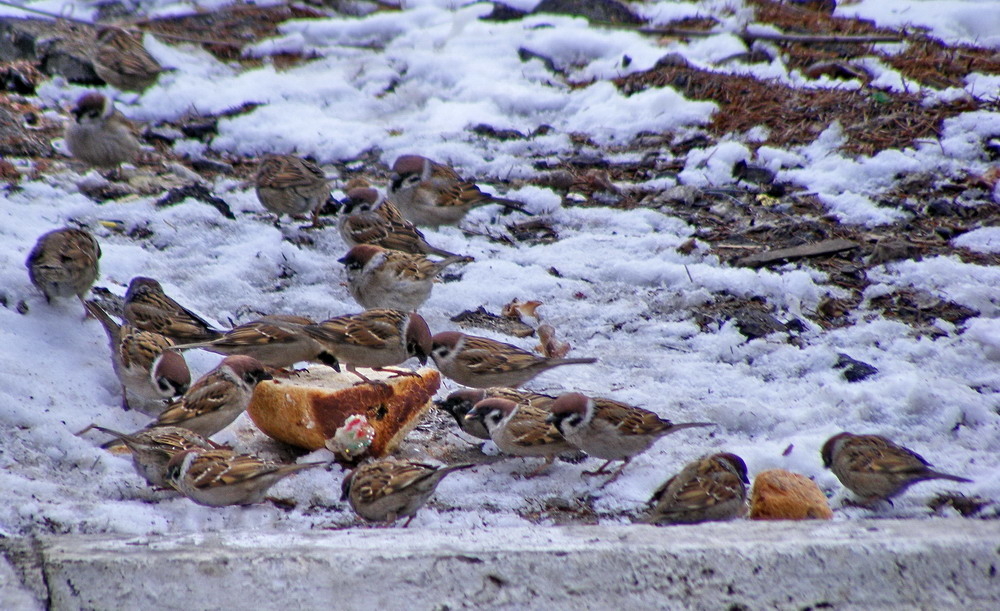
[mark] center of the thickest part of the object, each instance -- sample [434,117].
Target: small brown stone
[778,494]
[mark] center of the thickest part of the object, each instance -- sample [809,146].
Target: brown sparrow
[712,488]
[217,478]
[150,309]
[875,468]
[149,371]
[389,489]
[217,398]
[380,278]
[291,185]
[121,60]
[481,362]
[376,339]
[367,217]
[433,194]
[608,429]
[461,402]
[99,135]
[277,341]
[153,448]
[63,263]
[520,429]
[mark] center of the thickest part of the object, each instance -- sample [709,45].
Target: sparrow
[712,488]
[481,362]
[461,402]
[149,371]
[153,448]
[121,60]
[380,278]
[278,340]
[150,309]
[367,217]
[63,262]
[875,468]
[520,429]
[433,194]
[217,478]
[376,339]
[217,398]
[99,135]
[291,185]
[608,429]
[389,489]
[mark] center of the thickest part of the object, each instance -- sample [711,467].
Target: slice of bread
[778,494]
[308,407]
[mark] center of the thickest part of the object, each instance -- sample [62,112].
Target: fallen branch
[825,247]
[777,36]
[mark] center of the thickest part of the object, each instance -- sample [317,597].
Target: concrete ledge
[857,564]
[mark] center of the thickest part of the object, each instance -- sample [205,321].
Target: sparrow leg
[602,470]
[541,469]
[616,474]
[397,372]
[281,372]
[410,519]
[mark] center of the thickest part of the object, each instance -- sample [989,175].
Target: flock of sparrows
[390,274]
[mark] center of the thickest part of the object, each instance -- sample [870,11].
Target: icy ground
[415,81]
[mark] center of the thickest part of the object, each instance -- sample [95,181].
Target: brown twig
[778,36]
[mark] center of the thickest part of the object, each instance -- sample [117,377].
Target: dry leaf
[519,309]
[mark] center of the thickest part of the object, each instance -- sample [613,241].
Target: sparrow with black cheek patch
[99,135]
[149,371]
[278,340]
[63,262]
[461,402]
[433,194]
[389,489]
[482,363]
[217,398]
[380,278]
[153,448]
[218,478]
[875,468]
[712,488]
[367,217]
[608,429]
[291,185]
[150,309]
[376,339]
[121,60]
[520,429]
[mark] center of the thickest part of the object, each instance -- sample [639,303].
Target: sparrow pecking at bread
[278,340]
[153,448]
[461,402]
[389,489]
[291,185]
[150,373]
[433,194]
[712,488]
[481,362]
[150,309]
[218,478]
[608,429]
[381,278]
[520,429]
[875,468]
[99,135]
[64,262]
[376,339]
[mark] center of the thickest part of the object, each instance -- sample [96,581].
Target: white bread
[782,495]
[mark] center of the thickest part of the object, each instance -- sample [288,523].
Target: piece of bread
[308,407]
[782,495]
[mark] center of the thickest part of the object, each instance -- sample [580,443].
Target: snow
[623,293]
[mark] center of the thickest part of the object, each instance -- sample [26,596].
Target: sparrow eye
[411,180]
[574,420]
[440,352]
[495,417]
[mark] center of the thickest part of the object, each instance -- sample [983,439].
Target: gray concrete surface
[929,564]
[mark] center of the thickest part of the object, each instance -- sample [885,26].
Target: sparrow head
[91,107]
[831,447]
[460,402]
[418,338]
[361,199]
[171,374]
[408,170]
[569,409]
[734,464]
[141,284]
[178,464]
[444,343]
[246,368]
[359,256]
[491,412]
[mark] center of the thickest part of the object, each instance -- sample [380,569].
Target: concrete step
[929,564]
